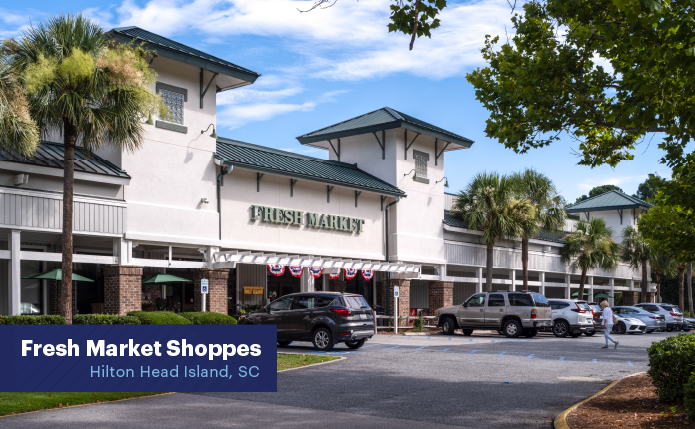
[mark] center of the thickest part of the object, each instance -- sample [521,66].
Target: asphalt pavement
[483,381]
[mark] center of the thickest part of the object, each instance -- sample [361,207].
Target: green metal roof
[383,119]
[611,200]
[452,220]
[265,159]
[177,51]
[50,154]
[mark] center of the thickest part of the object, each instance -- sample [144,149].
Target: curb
[560,421]
[313,364]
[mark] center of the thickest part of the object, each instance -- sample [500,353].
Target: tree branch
[412,39]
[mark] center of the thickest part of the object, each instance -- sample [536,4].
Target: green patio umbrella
[164,278]
[57,274]
[602,295]
[576,294]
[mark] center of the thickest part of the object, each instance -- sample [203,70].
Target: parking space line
[562,358]
[595,361]
[445,350]
[629,363]
[502,353]
[530,356]
[389,348]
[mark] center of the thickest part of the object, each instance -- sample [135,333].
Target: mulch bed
[631,403]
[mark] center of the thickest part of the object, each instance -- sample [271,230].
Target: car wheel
[512,329]
[561,329]
[284,343]
[590,333]
[686,329]
[448,326]
[467,332]
[619,328]
[530,333]
[355,344]
[323,340]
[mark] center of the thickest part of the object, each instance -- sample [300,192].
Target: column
[541,277]
[590,287]
[568,290]
[441,295]
[512,276]
[306,282]
[122,289]
[611,284]
[403,297]
[15,271]
[479,275]
[216,301]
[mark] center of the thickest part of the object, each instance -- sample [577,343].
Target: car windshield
[583,306]
[355,301]
[540,299]
[667,307]
[596,308]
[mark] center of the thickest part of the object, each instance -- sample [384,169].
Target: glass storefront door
[30,295]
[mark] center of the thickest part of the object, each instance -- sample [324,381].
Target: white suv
[571,317]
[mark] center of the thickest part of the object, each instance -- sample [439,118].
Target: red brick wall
[650,297]
[337,285]
[441,295]
[122,289]
[217,290]
[630,298]
[153,291]
[403,297]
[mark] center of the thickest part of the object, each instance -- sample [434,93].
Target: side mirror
[464,305]
[266,309]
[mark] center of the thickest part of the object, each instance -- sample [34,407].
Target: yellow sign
[253,290]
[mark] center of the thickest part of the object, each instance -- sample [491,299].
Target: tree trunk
[417,12]
[645,282]
[681,286]
[690,288]
[582,280]
[658,286]
[488,269]
[524,261]
[70,141]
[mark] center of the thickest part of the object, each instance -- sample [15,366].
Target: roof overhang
[607,208]
[59,172]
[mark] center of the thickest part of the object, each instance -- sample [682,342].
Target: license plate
[363,316]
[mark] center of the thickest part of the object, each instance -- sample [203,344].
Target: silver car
[653,321]
[674,320]
[629,325]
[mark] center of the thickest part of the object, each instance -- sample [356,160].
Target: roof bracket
[329,189]
[357,195]
[437,155]
[407,146]
[337,152]
[382,143]
[620,213]
[259,176]
[383,198]
[203,91]
[292,183]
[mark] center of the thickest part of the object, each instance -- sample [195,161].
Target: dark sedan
[324,318]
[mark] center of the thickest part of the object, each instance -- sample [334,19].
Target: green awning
[164,278]
[57,274]
[602,295]
[576,294]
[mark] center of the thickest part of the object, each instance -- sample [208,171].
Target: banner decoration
[350,273]
[296,271]
[276,270]
[334,276]
[315,272]
[367,274]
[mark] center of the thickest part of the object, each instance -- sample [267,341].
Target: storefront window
[31,289]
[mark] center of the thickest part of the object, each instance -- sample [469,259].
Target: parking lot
[428,381]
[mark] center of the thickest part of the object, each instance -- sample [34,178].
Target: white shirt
[608,316]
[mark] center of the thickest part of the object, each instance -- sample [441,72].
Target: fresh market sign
[312,220]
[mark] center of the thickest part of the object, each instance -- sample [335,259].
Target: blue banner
[138,358]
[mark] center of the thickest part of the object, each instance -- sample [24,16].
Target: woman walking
[607,324]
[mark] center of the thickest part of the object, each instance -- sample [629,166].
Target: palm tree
[549,208]
[491,205]
[589,246]
[89,90]
[681,285]
[636,251]
[690,287]
[662,265]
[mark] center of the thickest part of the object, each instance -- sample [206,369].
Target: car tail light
[578,309]
[674,314]
[652,317]
[533,313]
[341,312]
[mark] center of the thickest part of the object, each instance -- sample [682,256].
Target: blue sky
[329,65]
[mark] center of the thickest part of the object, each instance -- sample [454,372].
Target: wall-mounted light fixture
[414,175]
[214,134]
[204,200]
[445,180]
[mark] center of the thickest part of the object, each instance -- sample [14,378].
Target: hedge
[689,397]
[104,319]
[671,362]
[32,320]
[159,318]
[209,318]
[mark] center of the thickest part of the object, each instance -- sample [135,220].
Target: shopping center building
[371,216]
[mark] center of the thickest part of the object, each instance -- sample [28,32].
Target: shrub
[104,319]
[32,320]
[419,324]
[689,397]
[209,318]
[159,318]
[671,361]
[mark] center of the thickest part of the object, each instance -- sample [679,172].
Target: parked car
[689,324]
[652,321]
[324,318]
[628,325]
[673,321]
[510,313]
[677,315]
[597,312]
[571,317]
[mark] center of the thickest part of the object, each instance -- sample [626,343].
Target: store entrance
[182,295]
[283,285]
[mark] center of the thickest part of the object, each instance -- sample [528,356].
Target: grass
[11,403]
[287,361]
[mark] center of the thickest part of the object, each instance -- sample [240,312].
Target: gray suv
[510,313]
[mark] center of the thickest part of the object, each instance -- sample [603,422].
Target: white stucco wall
[612,219]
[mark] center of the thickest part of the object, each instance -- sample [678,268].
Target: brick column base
[630,298]
[216,300]
[337,285]
[441,295]
[650,297]
[385,292]
[122,289]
